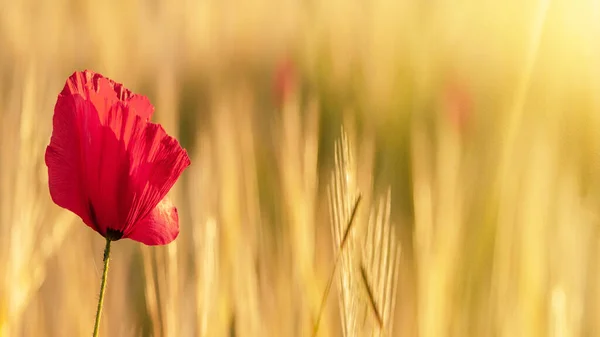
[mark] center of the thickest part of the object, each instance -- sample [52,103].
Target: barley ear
[380,267]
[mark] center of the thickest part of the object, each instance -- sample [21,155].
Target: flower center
[113,234]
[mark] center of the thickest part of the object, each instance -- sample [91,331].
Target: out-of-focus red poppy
[110,165]
[285,81]
[457,104]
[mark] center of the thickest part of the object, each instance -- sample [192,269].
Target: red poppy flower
[110,165]
[285,81]
[457,104]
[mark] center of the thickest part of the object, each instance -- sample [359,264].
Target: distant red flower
[285,81]
[457,104]
[110,165]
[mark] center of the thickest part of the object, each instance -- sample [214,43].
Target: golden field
[471,133]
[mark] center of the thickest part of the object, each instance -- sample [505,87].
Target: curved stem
[102,288]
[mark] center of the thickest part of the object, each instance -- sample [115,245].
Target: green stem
[102,288]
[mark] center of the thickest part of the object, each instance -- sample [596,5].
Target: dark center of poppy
[113,234]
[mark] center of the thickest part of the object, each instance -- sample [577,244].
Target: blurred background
[471,131]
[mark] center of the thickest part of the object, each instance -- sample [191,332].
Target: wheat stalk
[31,229]
[343,203]
[297,159]
[206,236]
[369,268]
[380,267]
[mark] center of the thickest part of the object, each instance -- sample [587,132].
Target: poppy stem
[102,287]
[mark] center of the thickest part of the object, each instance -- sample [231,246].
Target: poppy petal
[157,161]
[64,155]
[160,227]
[107,164]
[133,164]
[104,92]
[141,106]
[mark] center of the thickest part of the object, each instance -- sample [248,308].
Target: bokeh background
[473,138]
